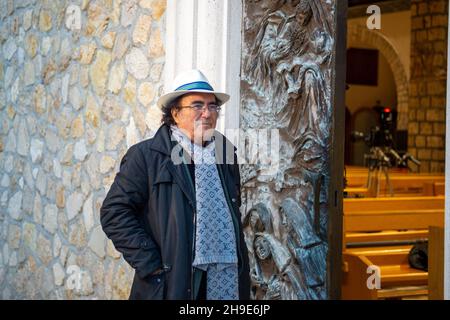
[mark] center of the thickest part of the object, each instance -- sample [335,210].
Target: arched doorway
[357,36]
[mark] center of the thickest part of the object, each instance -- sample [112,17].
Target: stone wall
[426,127]
[72,100]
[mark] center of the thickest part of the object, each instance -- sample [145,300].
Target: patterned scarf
[215,243]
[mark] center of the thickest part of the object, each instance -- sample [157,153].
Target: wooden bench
[380,232]
[402,184]
[435,188]
[436,263]
[397,278]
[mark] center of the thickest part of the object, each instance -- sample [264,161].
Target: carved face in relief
[285,221]
[319,41]
[255,222]
[262,248]
[304,13]
[259,219]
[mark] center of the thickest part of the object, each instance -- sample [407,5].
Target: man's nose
[205,112]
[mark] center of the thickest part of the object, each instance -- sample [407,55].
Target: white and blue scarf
[215,241]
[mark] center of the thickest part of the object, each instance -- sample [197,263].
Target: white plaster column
[206,34]
[447,183]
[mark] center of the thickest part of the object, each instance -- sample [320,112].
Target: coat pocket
[148,288]
[163,176]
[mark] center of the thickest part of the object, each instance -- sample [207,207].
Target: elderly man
[173,209]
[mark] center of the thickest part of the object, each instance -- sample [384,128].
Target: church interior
[393,208]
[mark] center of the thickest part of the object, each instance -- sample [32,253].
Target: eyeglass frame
[217,107]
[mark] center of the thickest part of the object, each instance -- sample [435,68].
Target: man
[173,209]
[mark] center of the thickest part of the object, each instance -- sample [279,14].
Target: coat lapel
[180,175]
[162,143]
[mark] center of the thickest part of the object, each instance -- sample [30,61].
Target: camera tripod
[379,162]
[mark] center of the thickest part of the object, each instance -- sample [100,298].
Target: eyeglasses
[198,107]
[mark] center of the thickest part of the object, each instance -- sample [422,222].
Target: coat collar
[162,142]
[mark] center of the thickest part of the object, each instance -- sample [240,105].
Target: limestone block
[97,242]
[92,111]
[128,12]
[116,134]
[141,30]
[51,218]
[116,78]
[106,164]
[15,206]
[137,64]
[44,249]
[108,40]
[80,151]
[156,45]
[14,235]
[77,128]
[45,21]
[121,45]
[58,274]
[146,93]
[87,52]
[23,139]
[29,235]
[74,205]
[36,149]
[99,72]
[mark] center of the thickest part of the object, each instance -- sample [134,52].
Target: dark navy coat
[149,215]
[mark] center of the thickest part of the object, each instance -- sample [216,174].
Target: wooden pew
[379,232]
[434,188]
[397,278]
[402,184]
[436,263]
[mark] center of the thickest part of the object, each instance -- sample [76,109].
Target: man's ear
[174,113]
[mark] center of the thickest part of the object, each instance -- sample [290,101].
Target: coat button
[158,280]
[233,199]
[144,244]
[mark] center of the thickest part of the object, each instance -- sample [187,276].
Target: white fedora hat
[189,82]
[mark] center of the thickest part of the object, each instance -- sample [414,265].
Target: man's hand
[164,268]
[157,272]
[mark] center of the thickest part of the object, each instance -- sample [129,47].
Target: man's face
[198,125]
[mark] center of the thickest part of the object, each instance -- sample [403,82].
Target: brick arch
[359,35]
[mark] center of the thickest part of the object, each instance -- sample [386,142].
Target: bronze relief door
[292,100]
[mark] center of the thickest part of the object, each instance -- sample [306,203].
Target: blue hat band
[198,85]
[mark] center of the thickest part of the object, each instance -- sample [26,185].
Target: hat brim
[167,98]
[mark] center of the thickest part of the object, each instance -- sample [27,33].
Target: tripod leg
[371,182]
[388,182]
[369,178]
[378,182]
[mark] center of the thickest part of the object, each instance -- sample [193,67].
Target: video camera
[381,142]
[379,136]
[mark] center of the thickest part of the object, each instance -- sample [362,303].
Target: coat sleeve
[119,215]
